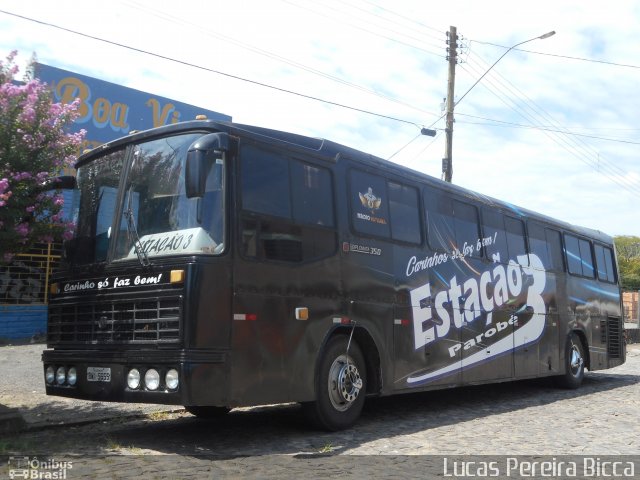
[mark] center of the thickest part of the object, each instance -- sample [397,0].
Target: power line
[168,17]
[506,86]
[582,59]
[442,32]
[406,145]
[539,127]
[428,145]
[573,146]
[371,32]
[533,106]
[218,72]
[419,29]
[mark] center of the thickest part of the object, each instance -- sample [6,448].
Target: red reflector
[245,316]
[345,321]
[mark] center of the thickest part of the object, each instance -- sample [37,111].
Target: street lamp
[541,37]
[447,168]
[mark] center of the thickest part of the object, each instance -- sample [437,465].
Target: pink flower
[22,229]
[18,177]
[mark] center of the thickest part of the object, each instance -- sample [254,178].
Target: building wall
[24,294]
[631,310]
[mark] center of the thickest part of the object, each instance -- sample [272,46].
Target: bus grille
[614,337]
[141,321]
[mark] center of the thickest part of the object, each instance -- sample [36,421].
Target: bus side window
[579,257]
[441,229]
[312,194]
[404,213]
[538,244]
[265,183]
[515,237]
[587,258]
[493,228]
[604,262]
[546,244]
[288,213]
[554,246]
[466,228]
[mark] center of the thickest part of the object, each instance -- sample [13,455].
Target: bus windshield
[133,205]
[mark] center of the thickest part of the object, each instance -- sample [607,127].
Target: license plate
[98,374]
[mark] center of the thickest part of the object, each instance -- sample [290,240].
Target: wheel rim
[345,383]
[576,360]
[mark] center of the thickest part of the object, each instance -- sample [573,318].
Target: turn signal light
[176,276]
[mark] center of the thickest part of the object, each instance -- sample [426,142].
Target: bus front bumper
[170,377]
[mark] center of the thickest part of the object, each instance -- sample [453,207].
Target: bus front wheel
[574,363]
[340,386]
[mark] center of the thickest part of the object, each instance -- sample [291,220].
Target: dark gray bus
[218,265]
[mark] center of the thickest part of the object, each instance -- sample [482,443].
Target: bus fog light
[171,379]
[72,376]
[61,375]
[152,379]
[50,375]
[133,378]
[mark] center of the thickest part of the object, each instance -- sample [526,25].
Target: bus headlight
[72,376]
[171,379]
[61,375]
[50,375]
[133,378]
[152,379]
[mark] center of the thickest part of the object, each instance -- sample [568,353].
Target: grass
[17,446]
[326,449]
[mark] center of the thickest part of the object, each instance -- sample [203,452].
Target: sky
[552,127]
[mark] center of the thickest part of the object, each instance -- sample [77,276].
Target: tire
[340,386]
[574,363]
[207,413]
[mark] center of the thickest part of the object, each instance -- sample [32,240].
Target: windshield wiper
[134,238]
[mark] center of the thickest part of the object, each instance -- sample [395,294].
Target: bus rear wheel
[340,386]
[574,363]
[206,412]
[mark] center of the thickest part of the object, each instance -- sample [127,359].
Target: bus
[218,265]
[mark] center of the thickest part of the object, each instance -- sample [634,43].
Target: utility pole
[452,57]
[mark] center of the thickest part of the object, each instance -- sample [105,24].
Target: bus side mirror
[200,157]
[64,182]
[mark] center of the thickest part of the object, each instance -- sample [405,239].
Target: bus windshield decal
[116,282]
[190,240]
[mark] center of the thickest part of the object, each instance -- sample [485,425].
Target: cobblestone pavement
[22,389]
[522,418]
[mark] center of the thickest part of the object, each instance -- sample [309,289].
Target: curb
[12,422]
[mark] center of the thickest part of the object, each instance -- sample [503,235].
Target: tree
[628,252]
[35,146]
